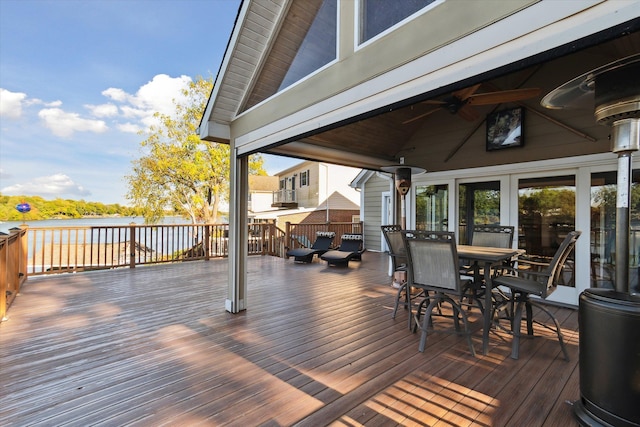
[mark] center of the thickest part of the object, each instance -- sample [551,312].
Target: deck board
[153,346]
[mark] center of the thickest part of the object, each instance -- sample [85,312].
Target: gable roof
[255,25]
[263,183]
[368,126]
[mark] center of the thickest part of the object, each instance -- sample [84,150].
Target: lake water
[82,222]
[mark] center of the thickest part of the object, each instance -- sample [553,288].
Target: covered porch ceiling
[437,132]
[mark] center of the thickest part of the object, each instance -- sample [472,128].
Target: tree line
[59,208]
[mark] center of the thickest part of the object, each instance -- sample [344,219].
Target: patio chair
[393,236]
[433,267]
[495,236]
[541,283]
[323,242]
[350,249]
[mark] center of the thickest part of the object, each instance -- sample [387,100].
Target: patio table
[489,257]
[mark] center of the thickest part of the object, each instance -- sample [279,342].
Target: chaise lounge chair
[350,248]
[323,242]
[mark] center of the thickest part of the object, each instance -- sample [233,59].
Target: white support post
[238,233]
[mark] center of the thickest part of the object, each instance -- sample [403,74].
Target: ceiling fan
[461,102]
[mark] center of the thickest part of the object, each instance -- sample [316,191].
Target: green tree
[178,172]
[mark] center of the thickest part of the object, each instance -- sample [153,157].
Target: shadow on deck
[154,346]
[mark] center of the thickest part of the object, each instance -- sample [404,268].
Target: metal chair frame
[523,284]
[497,236]
[393,236]
[433,267]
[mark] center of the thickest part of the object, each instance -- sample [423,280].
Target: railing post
[4,275]
[287,235]
[24,256]
[206,241]
[132,245]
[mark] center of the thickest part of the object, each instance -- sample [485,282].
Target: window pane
[546,213]
[432,207]
[378,15]
[603,225]
[305,42]
[318,47]
[478,204]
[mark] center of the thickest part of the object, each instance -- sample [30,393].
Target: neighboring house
[313,192]
[261,189]
[366,83]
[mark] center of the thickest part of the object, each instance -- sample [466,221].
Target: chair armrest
[526,273]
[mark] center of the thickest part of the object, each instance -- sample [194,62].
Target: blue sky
[79,78]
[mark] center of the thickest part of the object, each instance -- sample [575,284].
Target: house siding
[373,211]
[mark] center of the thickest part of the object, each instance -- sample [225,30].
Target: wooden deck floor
[154,346]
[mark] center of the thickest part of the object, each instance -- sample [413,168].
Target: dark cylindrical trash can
[609,359]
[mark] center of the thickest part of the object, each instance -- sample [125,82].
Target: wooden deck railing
[304,234]
[72,249]
[13,263]
[51,250]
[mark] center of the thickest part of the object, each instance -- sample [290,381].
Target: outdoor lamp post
[613,90]
[402,180]
[609,319]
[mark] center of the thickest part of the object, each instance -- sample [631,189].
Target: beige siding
[341,195]
[373,211]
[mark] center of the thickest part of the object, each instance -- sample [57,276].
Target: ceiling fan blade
[420,116]
[465,93]
[503,96]
[434,102]
[468,113]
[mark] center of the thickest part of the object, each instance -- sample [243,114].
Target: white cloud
[11,103]
[133,112]
[156,96]
[159,94]
[36,101]
[116,94]
[103,110]
[129,128]
[55,185]
[129,113]
[4,175]
[66,124]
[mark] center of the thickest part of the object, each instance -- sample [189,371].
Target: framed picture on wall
[505,129]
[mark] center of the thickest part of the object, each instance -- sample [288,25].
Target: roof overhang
[329,130]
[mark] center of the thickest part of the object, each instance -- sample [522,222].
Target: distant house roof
[263,183]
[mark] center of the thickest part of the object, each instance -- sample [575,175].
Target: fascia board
[224,68]
[218,132]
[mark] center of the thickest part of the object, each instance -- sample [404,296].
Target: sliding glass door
[478,204]
[546,213]
[432,207]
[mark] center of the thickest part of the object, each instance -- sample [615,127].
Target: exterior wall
[372,210]
[425,33]
[339,178]
[498,37]
[261,201]
[324,179]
